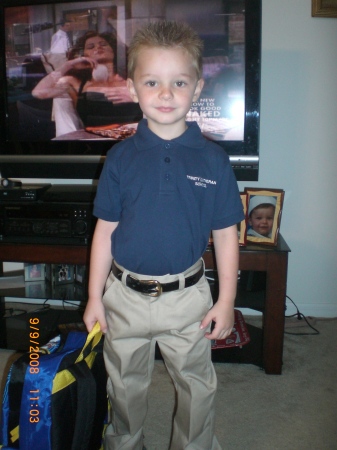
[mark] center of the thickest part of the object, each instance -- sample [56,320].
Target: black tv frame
[84,159]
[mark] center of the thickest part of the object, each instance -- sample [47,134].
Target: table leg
[274,314]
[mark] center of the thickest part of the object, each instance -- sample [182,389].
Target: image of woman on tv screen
[99,94]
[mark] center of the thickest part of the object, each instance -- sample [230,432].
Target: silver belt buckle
[155,286]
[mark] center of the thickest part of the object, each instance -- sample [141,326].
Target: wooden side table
[272,260]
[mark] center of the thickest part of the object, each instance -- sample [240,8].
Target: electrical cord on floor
[13,312]
[211,276]
[70,303]
[300,316]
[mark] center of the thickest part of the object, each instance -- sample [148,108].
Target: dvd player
[62,212]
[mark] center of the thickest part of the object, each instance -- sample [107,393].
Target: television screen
[59,109]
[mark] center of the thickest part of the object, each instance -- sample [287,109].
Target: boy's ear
[198,89]
[132,90]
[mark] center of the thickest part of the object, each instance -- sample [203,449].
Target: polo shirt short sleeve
[167,197]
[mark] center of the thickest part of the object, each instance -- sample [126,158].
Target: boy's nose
[166,93]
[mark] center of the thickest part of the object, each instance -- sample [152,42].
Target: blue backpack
[57,401]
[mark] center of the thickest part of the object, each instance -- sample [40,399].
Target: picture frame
[34,272]
[242,226]
[324,8]
[36,289]
[62,274]
[269,203]
[80,274]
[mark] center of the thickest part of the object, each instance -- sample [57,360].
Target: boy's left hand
[223,317]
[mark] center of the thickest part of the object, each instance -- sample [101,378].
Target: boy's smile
[165,84]
[262,220]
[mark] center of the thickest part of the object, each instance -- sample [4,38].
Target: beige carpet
[293,411]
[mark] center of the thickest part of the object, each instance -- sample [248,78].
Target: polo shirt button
[167,159]
[167,145]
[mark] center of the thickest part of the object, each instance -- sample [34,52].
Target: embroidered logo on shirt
[199,181]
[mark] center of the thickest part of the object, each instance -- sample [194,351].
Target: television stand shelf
[271,260]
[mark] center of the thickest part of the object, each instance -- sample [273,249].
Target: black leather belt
[154,288]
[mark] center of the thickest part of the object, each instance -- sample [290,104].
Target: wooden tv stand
[272,260]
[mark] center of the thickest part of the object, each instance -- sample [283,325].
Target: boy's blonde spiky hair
[166,34]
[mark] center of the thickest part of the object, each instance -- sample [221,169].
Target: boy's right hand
[94,312]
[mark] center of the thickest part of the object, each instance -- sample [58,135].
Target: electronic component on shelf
[7,183]
[15,191]
[61,212]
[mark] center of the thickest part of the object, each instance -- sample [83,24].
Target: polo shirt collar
[192,137]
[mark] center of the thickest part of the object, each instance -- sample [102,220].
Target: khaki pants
[135,323]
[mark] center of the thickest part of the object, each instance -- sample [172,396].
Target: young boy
[261,212]
[160,194]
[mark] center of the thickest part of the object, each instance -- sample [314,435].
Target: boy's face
[262,219]
[165,84]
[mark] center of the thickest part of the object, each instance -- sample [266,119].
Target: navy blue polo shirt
[167,197]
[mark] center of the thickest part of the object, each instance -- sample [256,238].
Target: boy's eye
[180,83]
[151,83]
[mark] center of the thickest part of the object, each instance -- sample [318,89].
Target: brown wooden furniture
[272,260]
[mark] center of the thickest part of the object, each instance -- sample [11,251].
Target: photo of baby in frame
[264,215]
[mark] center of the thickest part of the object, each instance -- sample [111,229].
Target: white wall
[298,145]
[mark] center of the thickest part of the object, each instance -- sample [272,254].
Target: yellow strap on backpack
[64,378]
[94,336]
[14,434]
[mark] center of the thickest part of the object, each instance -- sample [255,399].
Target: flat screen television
[227,112]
